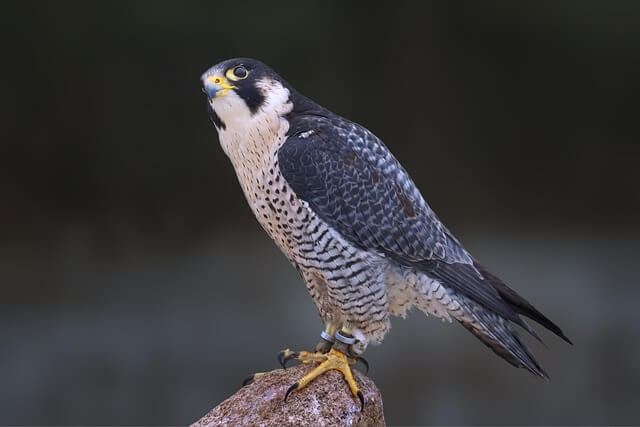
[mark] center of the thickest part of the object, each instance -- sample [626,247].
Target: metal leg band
[346,339]
[325,336]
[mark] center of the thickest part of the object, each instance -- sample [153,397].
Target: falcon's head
[241,89]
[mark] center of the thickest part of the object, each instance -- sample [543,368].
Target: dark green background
[136,287]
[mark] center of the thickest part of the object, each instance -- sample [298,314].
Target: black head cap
[244,73]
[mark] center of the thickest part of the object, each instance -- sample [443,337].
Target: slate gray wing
[350,179]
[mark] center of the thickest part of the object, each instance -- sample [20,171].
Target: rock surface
[326,401]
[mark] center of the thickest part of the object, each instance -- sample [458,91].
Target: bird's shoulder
[352,181]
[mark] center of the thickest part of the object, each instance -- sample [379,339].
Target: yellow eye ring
[237,73]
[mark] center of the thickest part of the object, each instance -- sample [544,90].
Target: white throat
[258,131]
[251,140]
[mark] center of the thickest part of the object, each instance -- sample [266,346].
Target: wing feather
[351,180]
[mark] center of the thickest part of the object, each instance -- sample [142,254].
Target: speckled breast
[254,155]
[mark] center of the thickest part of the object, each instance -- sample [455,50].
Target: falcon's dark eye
[240,72]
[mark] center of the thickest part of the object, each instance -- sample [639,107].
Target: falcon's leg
[327,338]
[335,359]
[326,343]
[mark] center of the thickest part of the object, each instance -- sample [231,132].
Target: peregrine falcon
[350,219]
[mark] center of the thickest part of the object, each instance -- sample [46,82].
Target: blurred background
[137,288]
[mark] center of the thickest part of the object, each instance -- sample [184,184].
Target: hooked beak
[216,86]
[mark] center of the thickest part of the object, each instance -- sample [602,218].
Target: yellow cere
[222,82]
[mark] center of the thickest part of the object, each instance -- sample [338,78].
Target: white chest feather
[251,141]
[253,152]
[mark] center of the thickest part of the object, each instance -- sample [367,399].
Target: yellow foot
[334,359]
[301,356]
[287,355]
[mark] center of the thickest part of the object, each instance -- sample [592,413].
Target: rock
[326,401]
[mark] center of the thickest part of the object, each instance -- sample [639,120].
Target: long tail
[519,304]
[498,334]
[489,308]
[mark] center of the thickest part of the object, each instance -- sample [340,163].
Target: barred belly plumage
[347,284]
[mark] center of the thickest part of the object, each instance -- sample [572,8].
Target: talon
[289,390]
[364,362]
[326,362]
[284,356]
[251,378]
[247,380]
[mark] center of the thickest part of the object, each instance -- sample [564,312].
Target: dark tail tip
[519,304]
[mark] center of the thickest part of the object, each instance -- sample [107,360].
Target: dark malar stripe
[251,96]
[217,121]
